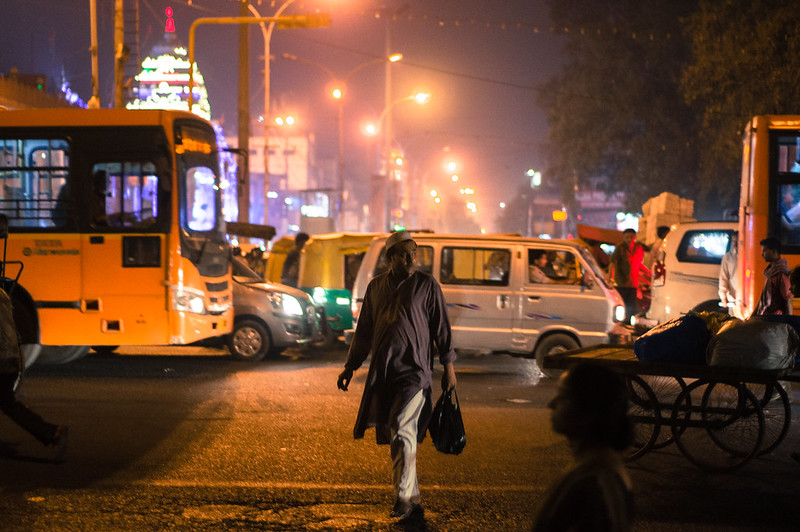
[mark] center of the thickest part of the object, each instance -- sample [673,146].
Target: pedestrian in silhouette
[11,366]
[590,409]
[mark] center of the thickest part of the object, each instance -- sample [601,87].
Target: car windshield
[596,270]
[242,272]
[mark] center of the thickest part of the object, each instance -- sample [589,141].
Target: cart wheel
[725,431]
[645,414]
[667,390]
[777,407]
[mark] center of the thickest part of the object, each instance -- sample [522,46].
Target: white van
[689,279]
[493,304]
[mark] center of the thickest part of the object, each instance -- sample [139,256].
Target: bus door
[124,252]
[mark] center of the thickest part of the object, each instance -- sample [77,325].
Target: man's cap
[395,238]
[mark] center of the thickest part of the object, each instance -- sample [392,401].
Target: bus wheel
[61,354]
[105,350]
[30,352]
[249,341]
[555,343]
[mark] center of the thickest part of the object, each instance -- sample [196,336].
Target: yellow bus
[770,199]
[116,216]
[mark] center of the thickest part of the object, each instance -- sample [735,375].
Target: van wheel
[555,343]
[329,338]
[250,341]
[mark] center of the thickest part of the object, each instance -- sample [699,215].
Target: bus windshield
[198,167]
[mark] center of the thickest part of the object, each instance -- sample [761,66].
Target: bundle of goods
[719,340]
[754,344]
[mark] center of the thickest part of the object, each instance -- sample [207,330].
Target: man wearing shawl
[776,297]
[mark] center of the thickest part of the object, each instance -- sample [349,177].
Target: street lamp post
[297,21]
[266,32]
[338,94]
[420,98]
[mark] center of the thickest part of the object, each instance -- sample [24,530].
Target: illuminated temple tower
[163,82]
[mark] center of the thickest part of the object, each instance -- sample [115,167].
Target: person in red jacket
[624,269]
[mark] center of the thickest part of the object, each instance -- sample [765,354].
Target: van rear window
[704,246]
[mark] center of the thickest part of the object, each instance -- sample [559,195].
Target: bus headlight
[619,312]
[186,299]
[287,304]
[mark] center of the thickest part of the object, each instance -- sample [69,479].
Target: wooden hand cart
[720,418]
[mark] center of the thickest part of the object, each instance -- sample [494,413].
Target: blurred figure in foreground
[11,365]
[591,410]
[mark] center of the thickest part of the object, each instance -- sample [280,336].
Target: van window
[475,266]
[704,246]
[424,261]
[552,266]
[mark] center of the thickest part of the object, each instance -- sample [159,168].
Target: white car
[688,279]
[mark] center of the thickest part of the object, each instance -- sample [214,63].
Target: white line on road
[177,483]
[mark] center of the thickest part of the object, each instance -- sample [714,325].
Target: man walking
[624,267]
[776,296]
[402,322]
[290,273]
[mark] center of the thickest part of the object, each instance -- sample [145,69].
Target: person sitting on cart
[591,410]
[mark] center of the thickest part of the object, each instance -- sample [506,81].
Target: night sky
[481,60]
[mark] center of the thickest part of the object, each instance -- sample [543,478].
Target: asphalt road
[200,442]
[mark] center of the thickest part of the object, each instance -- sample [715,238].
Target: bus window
[33,175]
[785,189]
[125,194]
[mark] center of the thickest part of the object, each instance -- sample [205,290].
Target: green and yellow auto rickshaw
[329,264]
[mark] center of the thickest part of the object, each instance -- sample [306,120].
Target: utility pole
[120,55]
[243,185]
[94,101]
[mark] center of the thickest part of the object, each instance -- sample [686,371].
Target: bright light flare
[422,98]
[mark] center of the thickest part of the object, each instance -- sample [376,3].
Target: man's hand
[344,379]
[449,377]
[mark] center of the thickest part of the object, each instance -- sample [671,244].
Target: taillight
[659,274]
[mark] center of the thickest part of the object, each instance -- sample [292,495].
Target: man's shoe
[60,444]
[405,509]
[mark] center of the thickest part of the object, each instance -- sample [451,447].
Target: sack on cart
[794,321]
[681,340]
[754,344]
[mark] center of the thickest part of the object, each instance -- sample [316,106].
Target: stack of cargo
[664,209]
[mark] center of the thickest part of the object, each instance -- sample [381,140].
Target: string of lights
[445,22]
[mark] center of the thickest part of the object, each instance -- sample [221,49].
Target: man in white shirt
[728,282]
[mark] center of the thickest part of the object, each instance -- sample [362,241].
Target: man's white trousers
[404,423]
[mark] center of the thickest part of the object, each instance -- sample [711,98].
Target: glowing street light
[337,93]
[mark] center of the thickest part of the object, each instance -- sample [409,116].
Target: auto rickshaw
[329,264]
